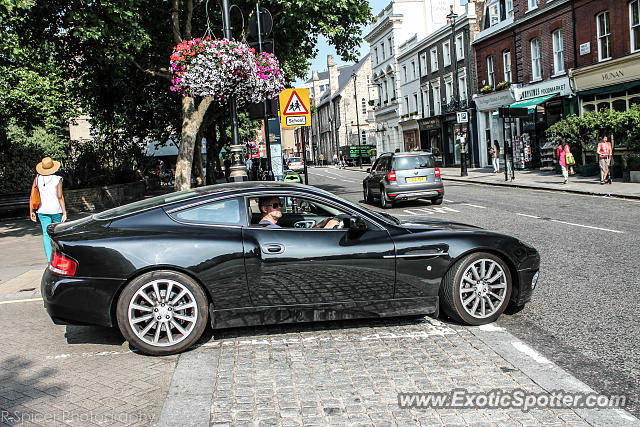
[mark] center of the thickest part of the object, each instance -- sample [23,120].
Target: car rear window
[146,204]
[294,159]
[413,162]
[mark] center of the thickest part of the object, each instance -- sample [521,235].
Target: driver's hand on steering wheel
[328,223]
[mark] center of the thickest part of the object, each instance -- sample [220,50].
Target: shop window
[603,106]
[619,94]
[634,24]
[619,105]
[587,108]
[604,36]
[634,101]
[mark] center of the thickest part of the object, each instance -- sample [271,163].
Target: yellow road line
[20,300]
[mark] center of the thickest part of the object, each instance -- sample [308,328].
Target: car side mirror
[368,170]
[357,224]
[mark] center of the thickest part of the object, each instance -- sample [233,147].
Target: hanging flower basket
[222,68]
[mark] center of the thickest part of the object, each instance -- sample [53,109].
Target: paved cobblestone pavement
[73,375]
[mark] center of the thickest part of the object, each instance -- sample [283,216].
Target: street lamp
[355,96]
[463,143]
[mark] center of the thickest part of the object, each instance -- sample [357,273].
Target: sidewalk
[535,179]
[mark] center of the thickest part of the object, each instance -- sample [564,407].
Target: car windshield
[146,204]
[421,161]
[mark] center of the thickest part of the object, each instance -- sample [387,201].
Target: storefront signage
[430,123]
[585,48]
[493,100]
[560,86]
[614,72]
[462,117]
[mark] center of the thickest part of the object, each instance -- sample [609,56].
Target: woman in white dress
[52,208]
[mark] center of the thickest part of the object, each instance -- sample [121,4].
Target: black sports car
[162,268]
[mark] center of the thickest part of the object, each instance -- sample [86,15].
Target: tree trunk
[198,172]
[192,117]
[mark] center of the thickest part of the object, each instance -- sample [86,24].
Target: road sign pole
[304,155]
[264,103]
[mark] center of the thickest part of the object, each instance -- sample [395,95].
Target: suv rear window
[413,162]
[294,159]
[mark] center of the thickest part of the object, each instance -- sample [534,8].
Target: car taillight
[301,163]
[391,176]
[437,172]
[62,265]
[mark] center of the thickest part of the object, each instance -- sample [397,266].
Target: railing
[454,105]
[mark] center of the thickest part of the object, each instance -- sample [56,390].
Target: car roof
[409,153]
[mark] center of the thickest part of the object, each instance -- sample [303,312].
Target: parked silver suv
[403,176]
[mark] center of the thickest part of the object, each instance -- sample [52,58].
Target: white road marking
[588,226]
[449,201]
[490,327]
[475,206]
[522,347]
[20,300]
[528,216]
[624,415]
[430,211]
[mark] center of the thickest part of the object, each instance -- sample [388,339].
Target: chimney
[333,74]
[316,88]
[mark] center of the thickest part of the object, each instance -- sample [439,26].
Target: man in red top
[604,155]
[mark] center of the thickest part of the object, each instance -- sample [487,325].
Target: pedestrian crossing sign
[295,108]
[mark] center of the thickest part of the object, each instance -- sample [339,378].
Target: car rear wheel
[162,312]
[436,201]
[476,290]
[384,202]
[367,194]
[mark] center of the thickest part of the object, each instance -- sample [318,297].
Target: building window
[363,136]
[406,105]
[383,51]
[462,88]
[375,54]
[446,54]
[459,47]
[509,8]
[393,88]
[536,65]
[425,103]
[558,52]
[491,81]
[448,91]
[506,63]
[533,4]
[634,24]
[363,105]
[436,100]
[494,14]
[434,59]
[415,103]
[604,36]
[390,47]
[413,70]
[423,64]
[404,74]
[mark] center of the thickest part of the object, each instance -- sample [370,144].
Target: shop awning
[530,103]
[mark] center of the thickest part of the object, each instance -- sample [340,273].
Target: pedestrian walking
[495,156]
[51,208]
[335,159]
[604,160]
[564,154]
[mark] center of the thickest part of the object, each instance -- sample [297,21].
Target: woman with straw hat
[52,208]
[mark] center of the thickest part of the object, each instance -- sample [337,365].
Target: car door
[379,174]
[297,266]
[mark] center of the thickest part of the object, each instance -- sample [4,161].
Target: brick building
[530,42]
[607,74]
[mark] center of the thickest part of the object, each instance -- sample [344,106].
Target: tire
[384,203]
[493,288]
[176,330]
[367,194]
[436,201]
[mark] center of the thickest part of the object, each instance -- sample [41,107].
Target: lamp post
[355,96]
[463,143]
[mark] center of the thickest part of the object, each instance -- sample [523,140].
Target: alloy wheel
[483,288]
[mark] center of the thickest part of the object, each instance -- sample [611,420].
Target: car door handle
[273,248]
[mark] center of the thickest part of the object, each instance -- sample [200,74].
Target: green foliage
[503,85]
[486,89]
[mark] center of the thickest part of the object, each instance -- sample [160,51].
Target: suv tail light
[62,265]
[437,172]
[391,176]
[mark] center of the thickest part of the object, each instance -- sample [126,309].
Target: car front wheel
[162,312]
[476,290]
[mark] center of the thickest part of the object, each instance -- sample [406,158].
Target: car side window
[384,164]
[375,165]
[223,212]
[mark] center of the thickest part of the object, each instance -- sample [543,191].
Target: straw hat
[47,166]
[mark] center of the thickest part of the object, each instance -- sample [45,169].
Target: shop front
[547,102]
[410,137]
[430,129]
[489,123]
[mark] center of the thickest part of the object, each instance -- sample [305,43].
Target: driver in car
[271,209]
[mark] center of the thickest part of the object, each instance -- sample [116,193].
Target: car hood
[422,225]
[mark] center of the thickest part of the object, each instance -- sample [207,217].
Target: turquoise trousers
[45,220]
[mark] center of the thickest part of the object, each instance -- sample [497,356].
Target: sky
[320,61]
